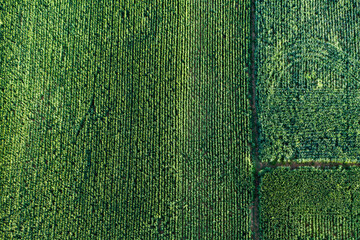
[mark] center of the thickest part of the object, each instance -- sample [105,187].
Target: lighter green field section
[310,203]
[124,120]
[308,80]
[217,182]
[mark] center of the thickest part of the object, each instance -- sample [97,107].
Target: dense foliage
[124,120]
[310,203]
[217,181]
[308,80]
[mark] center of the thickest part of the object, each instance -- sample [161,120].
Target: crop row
[125,120]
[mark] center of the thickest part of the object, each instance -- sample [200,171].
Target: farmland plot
[308,80]
[124,120]
[310,203]
[217,182]
[90,94]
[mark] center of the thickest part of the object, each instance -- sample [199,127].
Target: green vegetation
[124,120]
[217,180]
[308,102]
[131,119]
[308,80]
[310,203]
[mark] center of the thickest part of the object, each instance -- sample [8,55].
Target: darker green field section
[308,80]
[125,120]
[310,203]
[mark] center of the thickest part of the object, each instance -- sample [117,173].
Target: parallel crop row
[124,120]
[217,183]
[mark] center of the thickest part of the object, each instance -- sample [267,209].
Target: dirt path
[255,226]
[295,165]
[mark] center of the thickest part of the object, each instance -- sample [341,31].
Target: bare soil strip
[255,227]
[295,165]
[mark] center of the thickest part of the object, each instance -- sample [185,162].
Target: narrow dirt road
[255,226]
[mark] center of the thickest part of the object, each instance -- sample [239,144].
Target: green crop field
[125,119]
[308,80]
[150,119]
[310,203]
[308,107]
